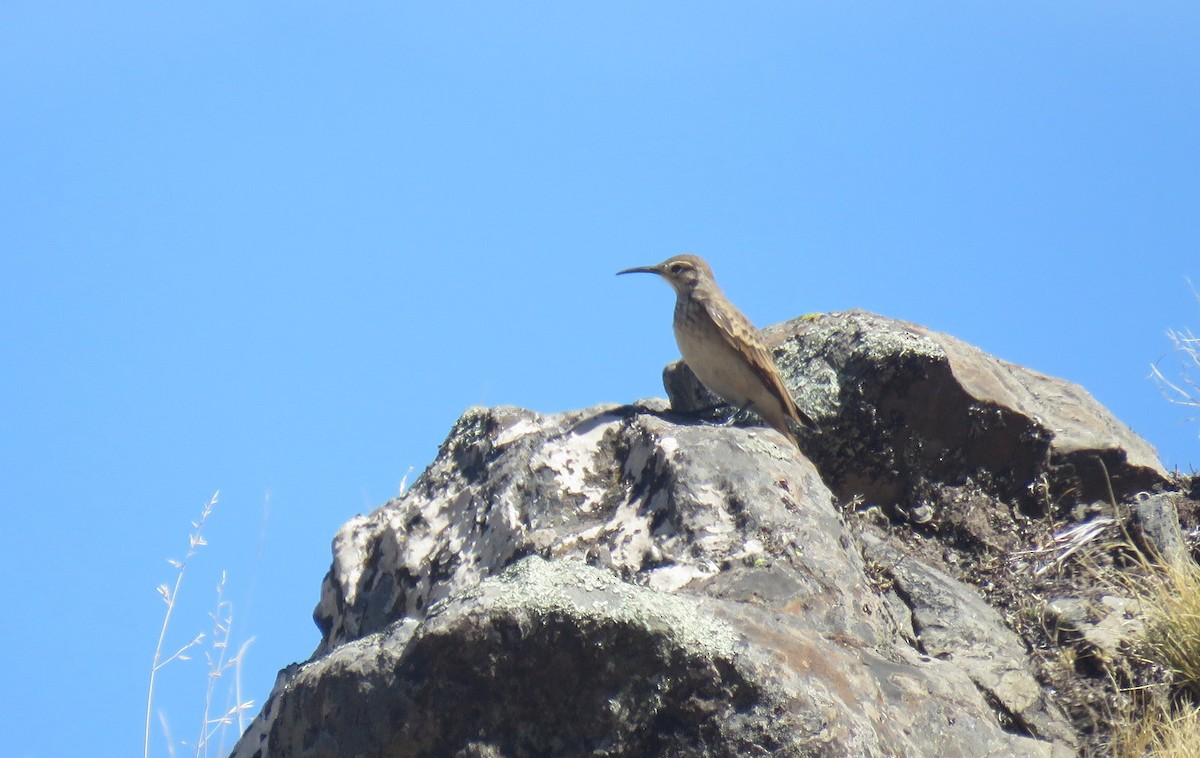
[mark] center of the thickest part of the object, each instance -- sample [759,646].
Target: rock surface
[1157,521]
[907,407]
[629,581]
[952,622]
[560,658]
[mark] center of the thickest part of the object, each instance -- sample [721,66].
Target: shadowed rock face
[626,581]
[904,406]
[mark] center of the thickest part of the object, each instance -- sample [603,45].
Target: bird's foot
[737,415]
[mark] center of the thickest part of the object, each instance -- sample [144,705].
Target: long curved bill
[640,270]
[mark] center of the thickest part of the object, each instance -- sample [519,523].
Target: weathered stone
[902,405]
[1103,627]
[727,611]
[559,658]
[953,623]
[1157,519]
[629,580]
[665,504]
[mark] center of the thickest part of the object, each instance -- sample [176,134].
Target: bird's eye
[676,268]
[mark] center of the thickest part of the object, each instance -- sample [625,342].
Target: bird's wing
[736,329]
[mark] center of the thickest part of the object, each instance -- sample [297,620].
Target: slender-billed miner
[722,347]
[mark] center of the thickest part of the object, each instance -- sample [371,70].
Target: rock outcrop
[908,407]
[626,580]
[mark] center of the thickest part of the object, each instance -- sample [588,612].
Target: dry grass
[220,662]
[216,654]
[1167,724]
[1185,389]
[170,595]
[1159,731]
[1165,721]
[1173,623]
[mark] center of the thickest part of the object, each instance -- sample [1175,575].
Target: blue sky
[277,250]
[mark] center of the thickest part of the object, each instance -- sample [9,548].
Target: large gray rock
[694,592]
[903,406]
[952,622]
[559,658]
[1157,520]
[619,487]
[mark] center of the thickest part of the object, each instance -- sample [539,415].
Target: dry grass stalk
[218,664]
[1162,724]
[1173,631]
[217,654]
[1160,732]
[170,595]
[1186,389]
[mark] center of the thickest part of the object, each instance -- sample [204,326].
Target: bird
[722,347]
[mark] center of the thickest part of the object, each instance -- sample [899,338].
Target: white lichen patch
[641,456]
[576,590]
[422,537]
[715,533]
[672,578]
[570,458]
[628,535]
[521,428]
[350,553]
[750,550]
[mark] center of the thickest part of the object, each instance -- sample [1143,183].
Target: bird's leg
[726,414]
[707,410]
[740,413]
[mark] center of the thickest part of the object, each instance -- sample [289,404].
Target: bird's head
[683,272]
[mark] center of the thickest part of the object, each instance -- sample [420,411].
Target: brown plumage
[722,347]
